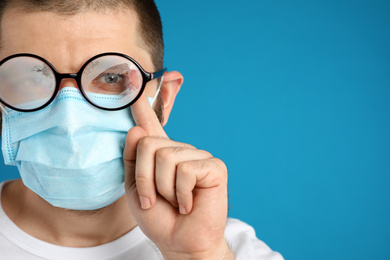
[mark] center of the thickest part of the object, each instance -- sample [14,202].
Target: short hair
[149,23]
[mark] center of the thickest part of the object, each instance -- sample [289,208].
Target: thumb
[130,153]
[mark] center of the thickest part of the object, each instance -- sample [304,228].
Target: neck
[65,227]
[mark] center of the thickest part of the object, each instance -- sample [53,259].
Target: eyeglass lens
[26,82]
[111,81]
[108,81]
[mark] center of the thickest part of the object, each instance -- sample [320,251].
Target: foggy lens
[111,81]
[26,82]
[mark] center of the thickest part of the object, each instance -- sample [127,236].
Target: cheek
[134,79]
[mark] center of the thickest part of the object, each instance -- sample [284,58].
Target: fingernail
[145,202]
[182,210]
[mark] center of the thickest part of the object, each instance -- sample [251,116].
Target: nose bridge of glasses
[68,80]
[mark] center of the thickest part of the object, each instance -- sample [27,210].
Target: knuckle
[220,164]
[201,165]
[184,145]
[129,164]
[164,155]
[221,168]
[141,181]
[178,149]
[206,154]
[190,146]
[146,142]
[185,168]
[181,192]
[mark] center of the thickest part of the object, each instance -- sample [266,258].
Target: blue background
[294,97]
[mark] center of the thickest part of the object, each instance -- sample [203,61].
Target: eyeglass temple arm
[158,74]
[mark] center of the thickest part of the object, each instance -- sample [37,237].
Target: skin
[176,193]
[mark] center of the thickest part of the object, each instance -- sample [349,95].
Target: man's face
[68,42]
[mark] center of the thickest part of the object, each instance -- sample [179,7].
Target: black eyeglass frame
[146,77]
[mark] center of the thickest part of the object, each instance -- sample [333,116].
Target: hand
[176,193]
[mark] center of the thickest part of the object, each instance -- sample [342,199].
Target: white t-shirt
[15,244]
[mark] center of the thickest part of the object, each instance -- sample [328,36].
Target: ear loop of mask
[158,91]
[3,109]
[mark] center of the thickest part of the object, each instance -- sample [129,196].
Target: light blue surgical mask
[69,153]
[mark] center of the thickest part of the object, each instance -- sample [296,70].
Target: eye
[28,81]
[111,78]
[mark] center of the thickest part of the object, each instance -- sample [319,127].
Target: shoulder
[244,243]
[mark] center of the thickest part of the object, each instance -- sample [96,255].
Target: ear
[172,82]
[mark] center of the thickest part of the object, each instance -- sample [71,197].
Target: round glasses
[109,81]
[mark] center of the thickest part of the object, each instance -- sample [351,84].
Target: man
[101,180]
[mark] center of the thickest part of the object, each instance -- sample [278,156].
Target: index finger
[146,117]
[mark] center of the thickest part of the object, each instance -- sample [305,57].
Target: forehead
[68,41]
